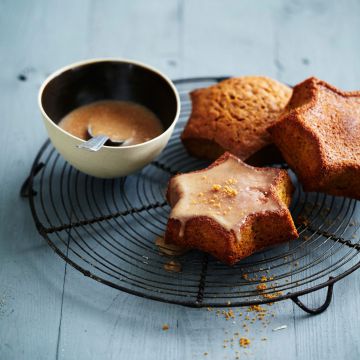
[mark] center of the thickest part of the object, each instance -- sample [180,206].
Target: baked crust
[319,137]
[258,230]
[234,116]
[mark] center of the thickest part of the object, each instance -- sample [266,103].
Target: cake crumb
[173,266]
[261,287]
[216,187]
[244,342]
[229,314]
[272,296]
[256,308]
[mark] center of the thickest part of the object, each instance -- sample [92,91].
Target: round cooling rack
[107,229]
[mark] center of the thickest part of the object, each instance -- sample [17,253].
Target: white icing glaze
[228,193]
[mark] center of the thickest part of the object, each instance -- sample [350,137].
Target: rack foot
[26,188]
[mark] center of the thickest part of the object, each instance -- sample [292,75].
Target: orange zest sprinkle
[228,190]
[244,342]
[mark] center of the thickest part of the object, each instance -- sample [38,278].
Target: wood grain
[50,311]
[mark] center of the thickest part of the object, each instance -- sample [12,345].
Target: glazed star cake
[230,209]
[319,137]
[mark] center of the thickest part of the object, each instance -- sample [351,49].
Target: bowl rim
[61,70]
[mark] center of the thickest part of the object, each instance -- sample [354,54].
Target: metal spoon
[95,143]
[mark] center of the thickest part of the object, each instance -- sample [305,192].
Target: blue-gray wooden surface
[50,311]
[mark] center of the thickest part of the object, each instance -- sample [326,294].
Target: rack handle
[319,309]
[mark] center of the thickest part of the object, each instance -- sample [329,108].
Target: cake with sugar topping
[230,209]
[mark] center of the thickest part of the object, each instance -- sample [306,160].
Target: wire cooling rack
[106,229]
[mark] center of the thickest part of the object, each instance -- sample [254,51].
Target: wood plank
[109,322]
[31,276]
[229,38]
[318,38]
[137,30]
[130,321]
[287,40]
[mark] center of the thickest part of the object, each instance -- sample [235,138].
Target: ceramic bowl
[108,79]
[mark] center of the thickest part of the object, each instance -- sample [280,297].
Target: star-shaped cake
[319,137]
[230,209]
[233,116]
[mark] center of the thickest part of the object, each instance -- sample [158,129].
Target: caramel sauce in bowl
[134,88]
[114,118]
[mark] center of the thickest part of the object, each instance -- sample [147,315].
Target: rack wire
[106,229]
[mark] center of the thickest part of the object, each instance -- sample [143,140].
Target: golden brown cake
[319,137]
[234,116]
[230,209]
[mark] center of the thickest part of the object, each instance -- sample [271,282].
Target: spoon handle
[95,143]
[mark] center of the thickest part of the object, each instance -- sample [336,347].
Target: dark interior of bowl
[109,80]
